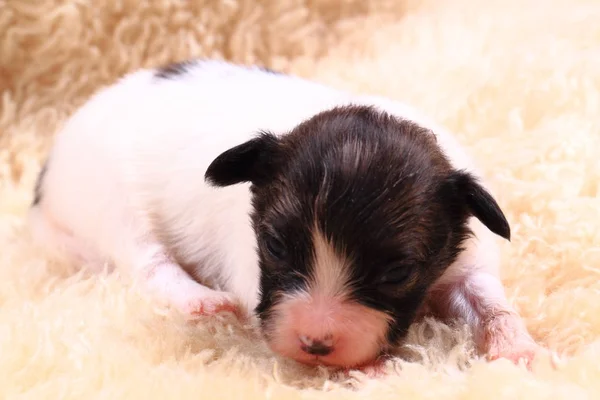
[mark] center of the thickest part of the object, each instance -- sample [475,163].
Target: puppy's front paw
[506,337]
[212,303]
[516,353]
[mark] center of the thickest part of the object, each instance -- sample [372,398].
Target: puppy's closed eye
[396,278]
[276,249]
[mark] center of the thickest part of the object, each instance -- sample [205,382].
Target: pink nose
[316,347]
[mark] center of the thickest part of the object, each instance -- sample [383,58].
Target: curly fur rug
[519,81]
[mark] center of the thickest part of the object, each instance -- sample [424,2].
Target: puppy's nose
[316,347]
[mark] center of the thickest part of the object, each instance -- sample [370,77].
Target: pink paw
[518,354]
[507,338]
[211,305]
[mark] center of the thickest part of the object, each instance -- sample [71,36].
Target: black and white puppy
[335,218]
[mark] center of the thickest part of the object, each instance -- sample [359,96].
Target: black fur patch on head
[381,192]
[37,192]
[174,70]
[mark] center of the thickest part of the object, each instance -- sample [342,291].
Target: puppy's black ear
[253,161]
[479,202]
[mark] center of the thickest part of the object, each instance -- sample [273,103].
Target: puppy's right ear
[254,161]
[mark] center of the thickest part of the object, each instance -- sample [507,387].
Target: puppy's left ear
[479,202]
[253,161]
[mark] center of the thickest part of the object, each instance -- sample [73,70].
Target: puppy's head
[357,214]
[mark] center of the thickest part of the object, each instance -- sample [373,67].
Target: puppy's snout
[327,331]
[316,347]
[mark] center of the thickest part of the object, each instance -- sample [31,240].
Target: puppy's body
[124,185]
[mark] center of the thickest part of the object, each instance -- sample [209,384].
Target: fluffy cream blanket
[519,81]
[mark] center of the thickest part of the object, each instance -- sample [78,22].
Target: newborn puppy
[335,218]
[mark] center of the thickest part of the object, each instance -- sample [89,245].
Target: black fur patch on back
[37,193]
[269,70]
[174,70]
[178,69]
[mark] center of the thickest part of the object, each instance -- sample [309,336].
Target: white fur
[139,149]
[331,274]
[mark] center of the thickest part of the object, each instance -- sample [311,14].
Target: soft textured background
[519,81]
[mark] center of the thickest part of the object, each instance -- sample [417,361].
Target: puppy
[334,218]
